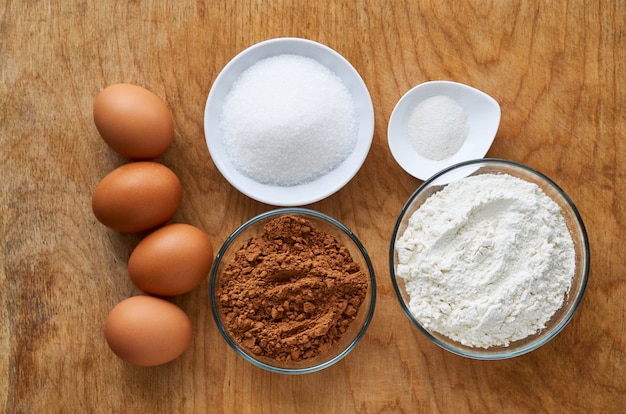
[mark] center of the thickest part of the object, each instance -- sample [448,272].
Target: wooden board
[556,68]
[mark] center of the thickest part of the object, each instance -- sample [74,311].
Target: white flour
[487,260]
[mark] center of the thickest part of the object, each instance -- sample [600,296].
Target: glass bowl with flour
[490,259]
[288,122]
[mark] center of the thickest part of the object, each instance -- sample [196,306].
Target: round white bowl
[312,191]
[483,116]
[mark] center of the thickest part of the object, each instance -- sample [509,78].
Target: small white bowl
[483,117]
[310,192]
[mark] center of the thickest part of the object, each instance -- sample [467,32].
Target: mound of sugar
[288,120]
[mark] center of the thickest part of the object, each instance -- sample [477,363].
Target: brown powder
[291,292]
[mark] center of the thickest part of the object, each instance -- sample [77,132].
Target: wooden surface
[556,68]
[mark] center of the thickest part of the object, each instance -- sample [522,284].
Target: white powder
[487,260]
[437,128]
[288,120]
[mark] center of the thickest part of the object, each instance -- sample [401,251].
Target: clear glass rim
[484,354]
[302,212]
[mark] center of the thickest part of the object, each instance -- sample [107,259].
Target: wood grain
[556,68]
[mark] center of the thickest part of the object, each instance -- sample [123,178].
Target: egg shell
[147,331]
[172,260]
[137,197]
[133,121]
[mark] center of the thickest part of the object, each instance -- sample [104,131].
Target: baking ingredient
[437,127]
[291,292]
[133,121]
[147,331]
[288,120]
[487,260]
[172,260]
[137,196]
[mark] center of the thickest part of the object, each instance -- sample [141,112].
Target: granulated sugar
[288,120]
[487,260]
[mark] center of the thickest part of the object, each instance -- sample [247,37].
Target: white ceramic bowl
[312,191]
[483,117]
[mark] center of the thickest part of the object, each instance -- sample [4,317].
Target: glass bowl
[571,299]
[244,336]
[316,189]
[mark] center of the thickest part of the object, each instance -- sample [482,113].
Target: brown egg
[136,197]
[147,331]
[172,260]
[133,121]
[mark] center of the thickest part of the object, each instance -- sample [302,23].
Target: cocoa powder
[291,292]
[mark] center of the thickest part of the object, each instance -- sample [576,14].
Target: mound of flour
[487,260]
